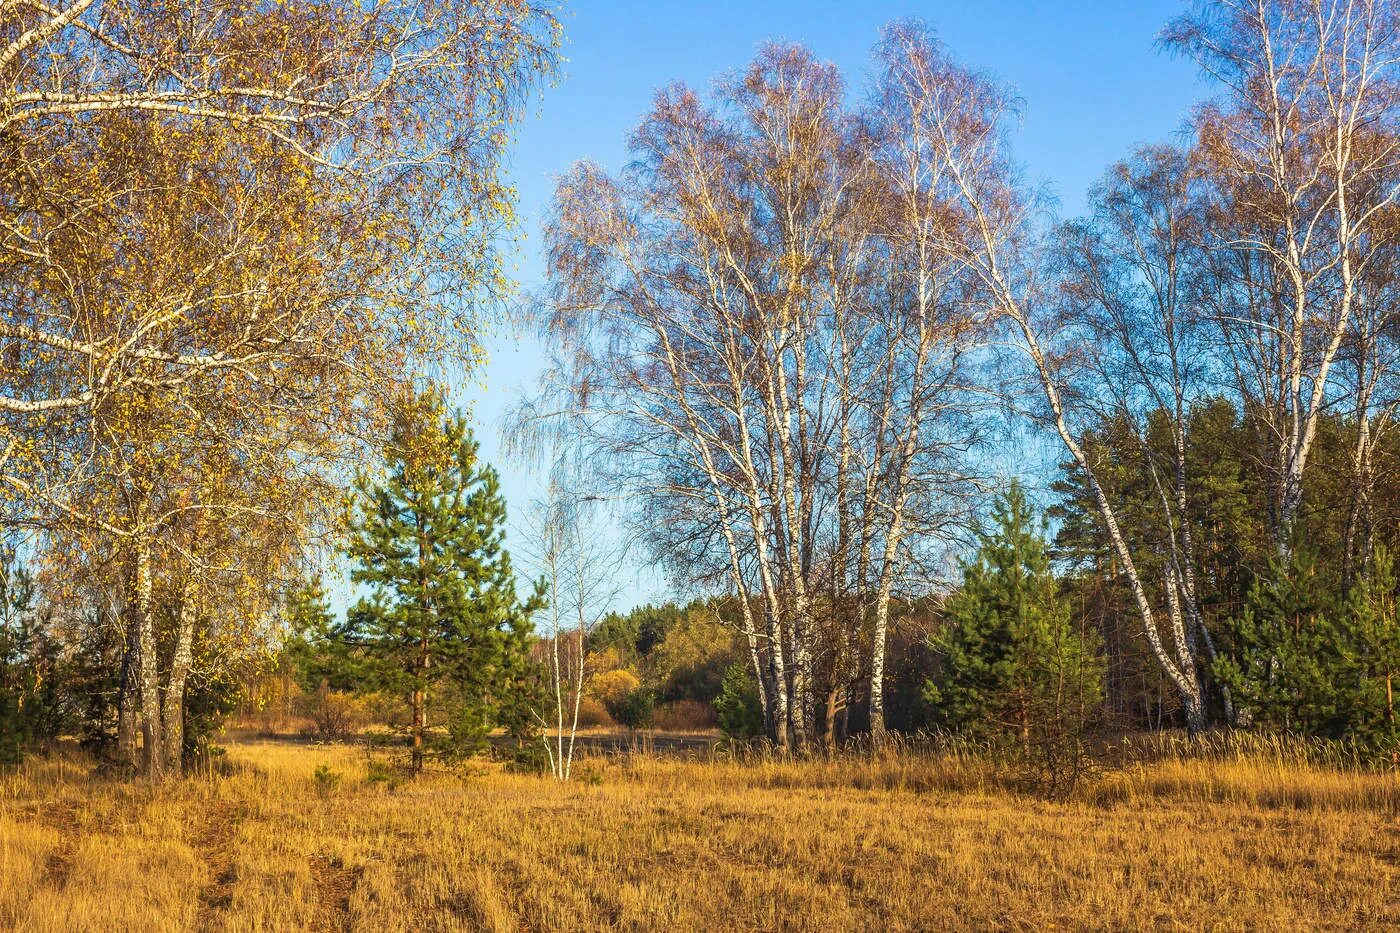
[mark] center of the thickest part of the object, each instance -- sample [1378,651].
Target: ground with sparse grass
[644,843]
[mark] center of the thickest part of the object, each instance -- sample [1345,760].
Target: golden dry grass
[899,843]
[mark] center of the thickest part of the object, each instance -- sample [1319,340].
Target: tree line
[799,326]
[794,341]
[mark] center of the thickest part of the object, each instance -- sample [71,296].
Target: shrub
[381,773]
[327,781]
[684,716]
[13,740]
[632,710]
[530,758]
[334,716]
[592,713]
[611,686]
[738,707]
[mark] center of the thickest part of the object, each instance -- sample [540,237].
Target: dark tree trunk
[181,658]
[129,694]
[148,674]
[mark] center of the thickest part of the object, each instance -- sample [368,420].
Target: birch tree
[745,328]
[1132,283]
[1303,150]
[579,569]
[248,234]
[1000,243]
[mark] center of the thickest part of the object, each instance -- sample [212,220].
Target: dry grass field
[899,843]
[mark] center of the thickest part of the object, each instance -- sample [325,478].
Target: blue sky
[1093,83]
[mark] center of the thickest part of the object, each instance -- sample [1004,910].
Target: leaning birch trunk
[558,753]
[880,633]
[777,668]
[881,629]
[783,503]
[840,570]
[580,659]
[736,574]
[1355,557]
[550,536]
[553,546]
[798,542]
[1186,681]
[697,440]
[1187,575]
[758,527]
[750,631]
[580,648]
[877,662]
[880,625]
[994,219]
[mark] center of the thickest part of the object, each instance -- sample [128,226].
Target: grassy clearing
[1225,839]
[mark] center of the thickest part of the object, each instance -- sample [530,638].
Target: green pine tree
[1010,662]
[307,607]
[312,650]
[1284,650]
[444,618]
[1310,661]
[738,705]
[32,708]
[1374,655]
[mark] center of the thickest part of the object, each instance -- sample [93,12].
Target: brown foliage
[684,716]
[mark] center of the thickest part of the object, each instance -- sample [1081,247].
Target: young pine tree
[31,704]
[1010,662]
[738,706]
[317,657]
[444,618]
[1375,657]
[1308,659]
[313,651]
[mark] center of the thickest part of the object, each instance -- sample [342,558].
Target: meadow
[288,836]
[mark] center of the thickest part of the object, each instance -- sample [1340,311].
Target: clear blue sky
[1093,83]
